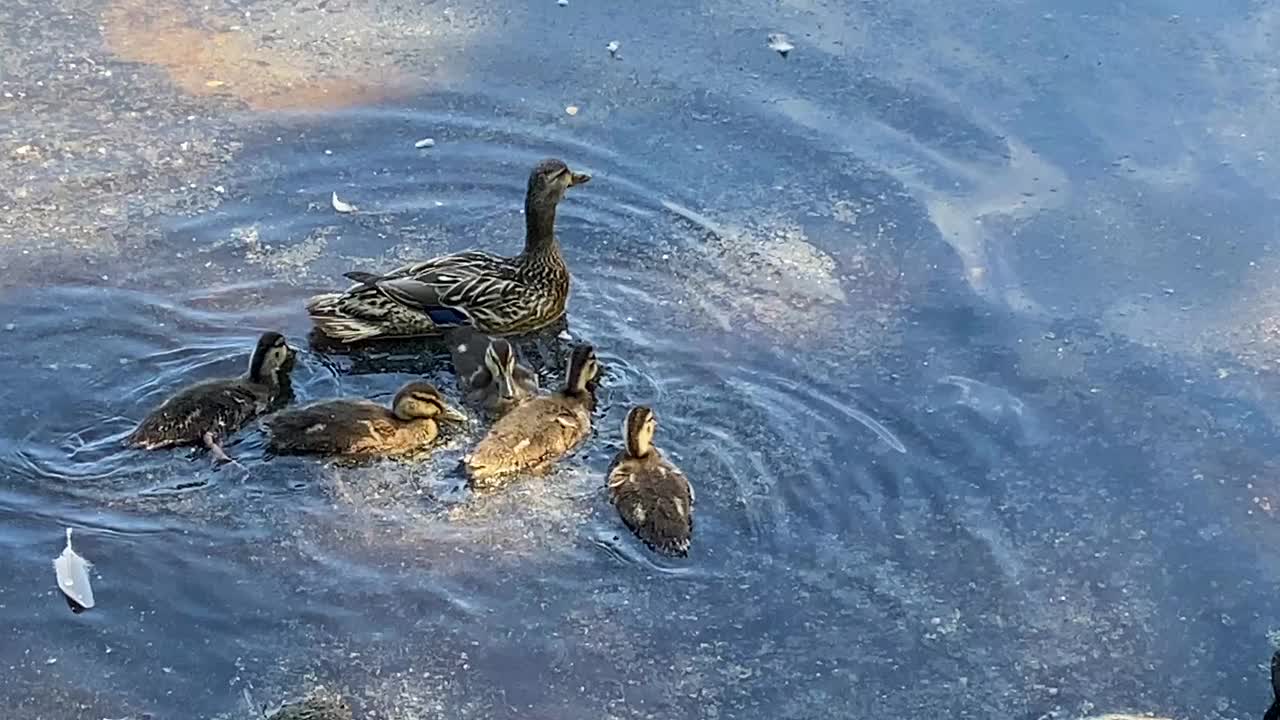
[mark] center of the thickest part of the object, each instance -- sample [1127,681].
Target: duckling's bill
[452,414]
[579,178]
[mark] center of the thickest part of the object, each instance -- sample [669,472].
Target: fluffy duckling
[361,427]
[207,412]
[653,497]
[1273,712]
[542,430]
[488,371]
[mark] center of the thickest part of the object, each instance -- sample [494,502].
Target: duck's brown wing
[655,500]
[333,427]
[530,438]
[220,407]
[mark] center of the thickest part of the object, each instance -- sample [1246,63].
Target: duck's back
[220,407]
[343,427]
[654,499]
[530,438]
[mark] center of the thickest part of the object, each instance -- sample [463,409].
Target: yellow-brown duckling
[542,430]
[651,494]
[207,412]
[489,372]
[361,427]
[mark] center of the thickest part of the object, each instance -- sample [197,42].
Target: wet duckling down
[207,412]
[351,426]
[653,497]
[541,431]
[489,373]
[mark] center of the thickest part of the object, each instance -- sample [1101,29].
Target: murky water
[960,319]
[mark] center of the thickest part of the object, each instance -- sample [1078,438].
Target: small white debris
[572,110]
[10,326]
[612,47]
[425,143]
[564,335]
[72,572]
[780,43]
[562,3]
[340,206]
[219,189]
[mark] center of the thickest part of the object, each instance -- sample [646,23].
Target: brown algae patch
[209,57]
[420,509]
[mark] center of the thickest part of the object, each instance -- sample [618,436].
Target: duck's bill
[578,179]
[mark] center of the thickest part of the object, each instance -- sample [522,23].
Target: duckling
[209,411]
[653,497]
[1273,712]
[361,427]
[316,707]
[540,431]
[488,371]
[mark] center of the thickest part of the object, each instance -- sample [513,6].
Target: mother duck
[496,295]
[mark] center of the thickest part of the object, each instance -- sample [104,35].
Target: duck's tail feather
[329,318]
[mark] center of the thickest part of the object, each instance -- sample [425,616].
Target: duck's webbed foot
[220,455]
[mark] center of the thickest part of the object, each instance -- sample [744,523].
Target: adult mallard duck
[361,427]
[488,371]
[540,431]
[496,295]
[315,707]
[207,412]
[653,497]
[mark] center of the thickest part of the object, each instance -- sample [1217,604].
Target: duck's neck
[540,228]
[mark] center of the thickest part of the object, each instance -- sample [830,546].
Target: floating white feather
[340,206]
[780,43]
[73,575]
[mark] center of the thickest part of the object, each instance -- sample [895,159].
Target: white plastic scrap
[340,206]
[73,575]
[425,143]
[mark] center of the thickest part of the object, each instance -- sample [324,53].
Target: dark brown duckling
[208,412]
[651,494]
[361,427]
[540,431]
[489,372]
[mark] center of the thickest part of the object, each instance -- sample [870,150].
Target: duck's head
[638,430]
[500,359]
[419,400]
[583,368]
[272,358]
[549,179]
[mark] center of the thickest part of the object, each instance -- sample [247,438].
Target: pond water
[960,318]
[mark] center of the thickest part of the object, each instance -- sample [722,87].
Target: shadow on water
[923,485]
